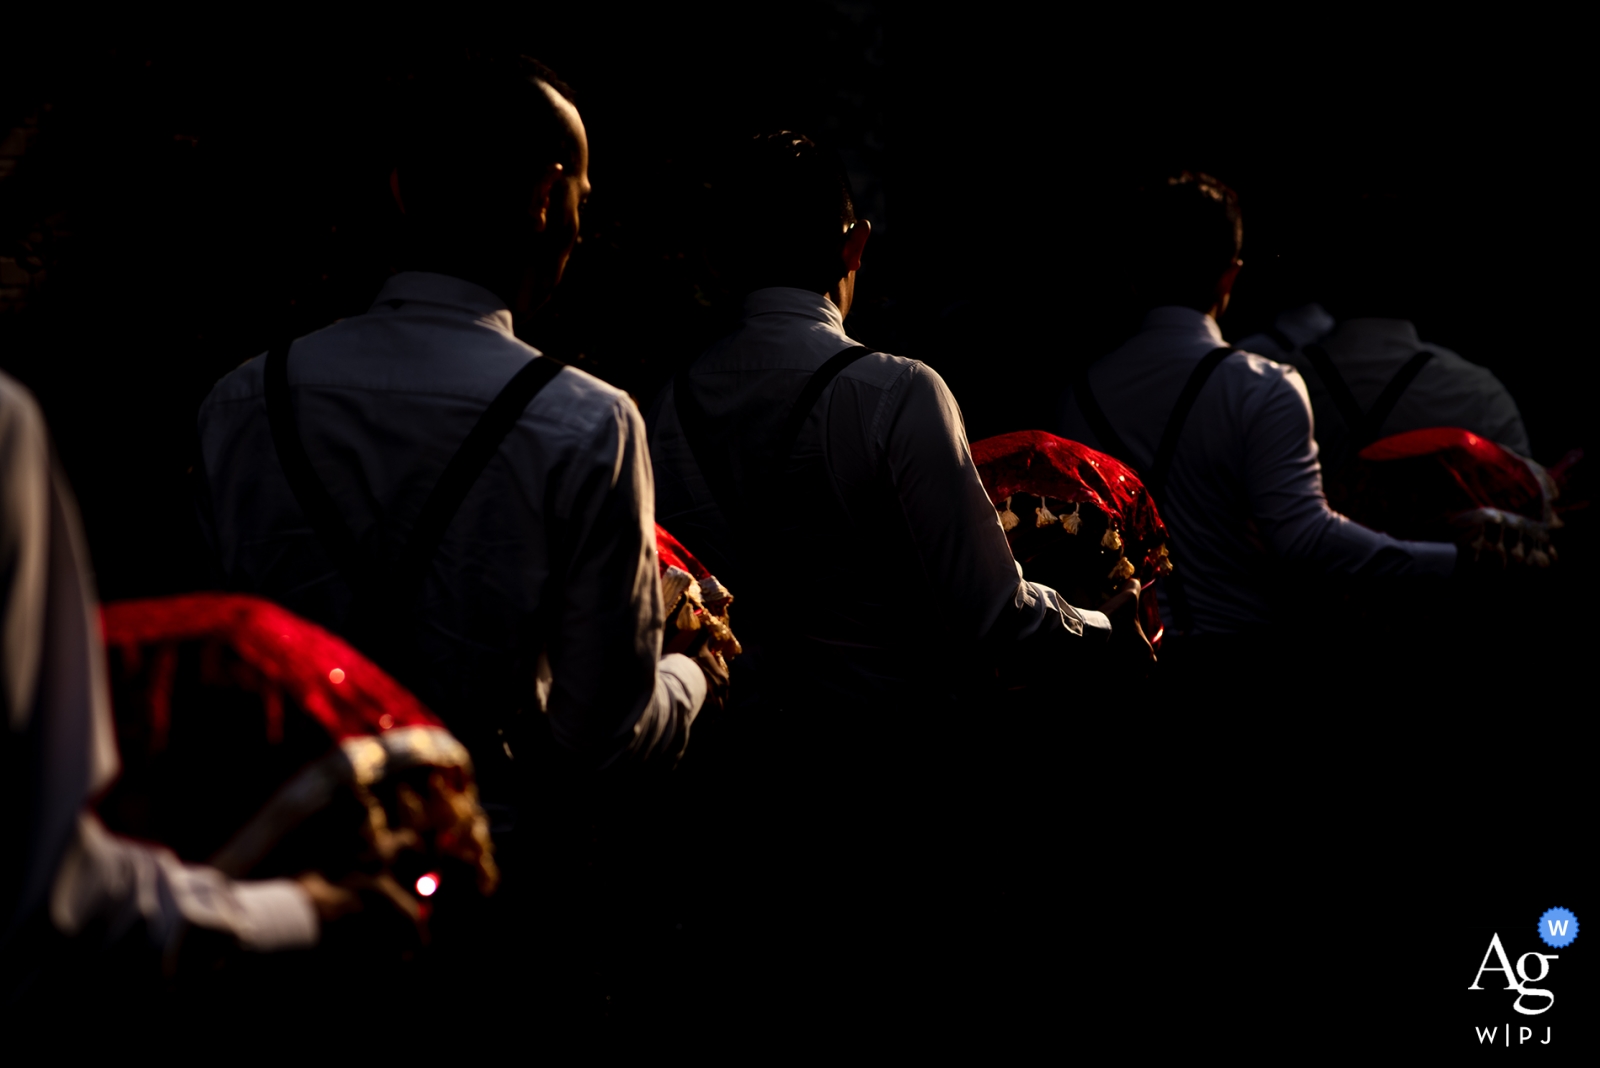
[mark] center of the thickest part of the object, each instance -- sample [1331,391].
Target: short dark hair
[480,131]
[782,209]
[1186,233]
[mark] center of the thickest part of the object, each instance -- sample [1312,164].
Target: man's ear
[855,242]
[542,194]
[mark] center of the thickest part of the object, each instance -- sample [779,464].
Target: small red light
[385,721]
[336,676]
[428,885]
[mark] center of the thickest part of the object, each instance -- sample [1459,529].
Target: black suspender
[381,588]
[1338,388]
[789,433]
[1168,447]
[313,497]
[1112,442]
[1089,405]
[718,473]
[1364,427]
[464,468]
[1156,477]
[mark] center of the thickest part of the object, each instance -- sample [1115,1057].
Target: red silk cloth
[1411,484]
[1032,462]
[671,553]
[283,655]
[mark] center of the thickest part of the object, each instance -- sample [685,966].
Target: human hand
[1493,541]
[370,910]
[1128,640]
[715,669]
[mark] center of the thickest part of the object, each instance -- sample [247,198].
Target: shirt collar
[1401,330]
[425,287]
[1174,317]
[784,300]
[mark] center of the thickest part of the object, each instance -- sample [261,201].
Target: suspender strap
[789,433]
[446,498]
[1365,427]
[1168,448]
[696,428]
[1112,442]
[465,467]
[697,432]
[313,497]
[1338,388]
[1280,339]
[1384,406]
[1089,405]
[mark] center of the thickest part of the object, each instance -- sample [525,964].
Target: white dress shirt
[60,749]
[896,552]
[552,552]
[1244,492]
[1448,391]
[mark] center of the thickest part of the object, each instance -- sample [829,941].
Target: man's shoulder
[578,396]
[243,383]
[1258,382]
[1253,363]
[885,371]
[1453,363]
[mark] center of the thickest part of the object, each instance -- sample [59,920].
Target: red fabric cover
[1488,475]
[671,553]
[1410,484]
[1043,465]
[290,656]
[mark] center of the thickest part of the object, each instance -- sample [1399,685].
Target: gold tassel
[1163,562]
[1071,522]
[1123,570]
[1111,540]
[1008,518]
[1042,516]
[1517,551]
[1538,558]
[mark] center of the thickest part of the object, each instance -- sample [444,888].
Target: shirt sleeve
[1283,480]
[613,698]
[958,540]
[107,879]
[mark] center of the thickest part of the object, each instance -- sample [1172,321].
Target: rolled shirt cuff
[275,914]
[1096,625]
[1434,559]
[688,681]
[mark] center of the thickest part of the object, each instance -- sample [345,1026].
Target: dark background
[170,204]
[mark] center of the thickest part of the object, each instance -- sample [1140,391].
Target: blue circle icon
[1558,927]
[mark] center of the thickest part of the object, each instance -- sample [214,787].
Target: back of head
[782,210]
[476,136]
[1184,235]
